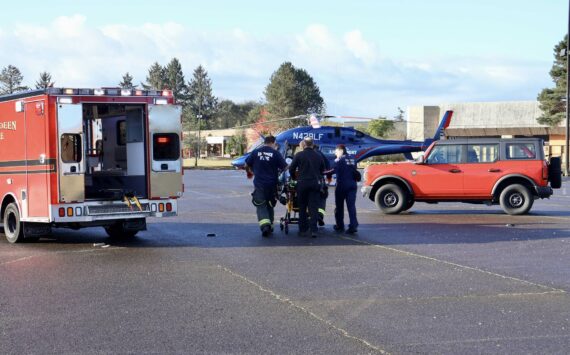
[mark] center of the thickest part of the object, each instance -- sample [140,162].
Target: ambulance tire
[13,228]
[118,232]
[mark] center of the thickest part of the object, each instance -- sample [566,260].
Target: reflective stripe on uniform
[264,221]
[322,211]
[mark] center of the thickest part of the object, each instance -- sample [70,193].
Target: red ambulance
[77,158]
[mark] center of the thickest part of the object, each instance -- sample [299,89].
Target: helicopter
[358,144]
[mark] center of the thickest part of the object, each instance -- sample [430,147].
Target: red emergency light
[163,140]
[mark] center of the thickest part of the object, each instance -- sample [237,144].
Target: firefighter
[308,168]
[345,170]
[324,189]
[265,163]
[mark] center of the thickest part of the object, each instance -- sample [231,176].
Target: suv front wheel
[516,199]
[391,199]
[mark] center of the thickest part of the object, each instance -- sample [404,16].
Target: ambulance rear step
[117,209]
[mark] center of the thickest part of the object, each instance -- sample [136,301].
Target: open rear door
[38,167]
[165,142]
[71,160]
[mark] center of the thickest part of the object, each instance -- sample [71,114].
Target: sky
[367,57]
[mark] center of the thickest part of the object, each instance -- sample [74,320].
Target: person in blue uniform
[345,170]
[265,163]
[307,168]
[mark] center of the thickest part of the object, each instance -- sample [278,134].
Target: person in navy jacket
[265,163]
[345,170]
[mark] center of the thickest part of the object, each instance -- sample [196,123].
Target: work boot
[321,220]
[265,230]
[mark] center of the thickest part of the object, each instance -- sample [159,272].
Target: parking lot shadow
[228,235]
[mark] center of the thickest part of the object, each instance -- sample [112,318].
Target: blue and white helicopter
[358,144]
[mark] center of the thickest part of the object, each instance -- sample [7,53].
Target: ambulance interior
[115,144]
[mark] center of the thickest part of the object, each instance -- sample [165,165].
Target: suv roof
[488,140]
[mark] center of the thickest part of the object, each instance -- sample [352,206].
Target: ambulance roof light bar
[109,91]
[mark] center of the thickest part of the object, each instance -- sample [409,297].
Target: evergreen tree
[175,80]
[44,81]
[11,80]
[291,92]
[156,78]
[201,101]
[230,114]
[553,100]
[127,82]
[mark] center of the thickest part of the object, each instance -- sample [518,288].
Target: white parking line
[287,301]
[552,289]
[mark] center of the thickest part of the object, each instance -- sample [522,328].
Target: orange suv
[509,172]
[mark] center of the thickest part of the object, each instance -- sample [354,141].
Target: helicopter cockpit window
[358,134]
[337,131]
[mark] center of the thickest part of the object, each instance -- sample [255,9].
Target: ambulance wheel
[117,231]
[13,228]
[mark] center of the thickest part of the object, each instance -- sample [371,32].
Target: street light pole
[199,117]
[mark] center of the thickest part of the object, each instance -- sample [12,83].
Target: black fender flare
[390,177]
[506,177]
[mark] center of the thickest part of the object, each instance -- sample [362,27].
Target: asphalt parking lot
[445,279]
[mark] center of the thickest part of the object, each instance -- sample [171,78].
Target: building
[487,119]
[215,142]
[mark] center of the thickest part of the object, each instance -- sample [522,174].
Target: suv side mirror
[421,160]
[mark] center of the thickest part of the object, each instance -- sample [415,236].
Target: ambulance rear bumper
[97,211]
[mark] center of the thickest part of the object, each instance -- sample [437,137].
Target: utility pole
[567,147]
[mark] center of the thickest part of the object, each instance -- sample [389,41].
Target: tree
[175,80]
[201,101]
[292,92]
[127,82]
[156,78]
[400,116]
[552,101]
[230,114]
[11,80]
[237,144]
[380,127]
[44,81]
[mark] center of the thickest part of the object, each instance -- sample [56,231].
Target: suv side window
[482,153]
[521,151]
[446,154]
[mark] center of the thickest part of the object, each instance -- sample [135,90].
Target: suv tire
[555,172]
[391,199]
[409,204]
[13,228]
[516,199]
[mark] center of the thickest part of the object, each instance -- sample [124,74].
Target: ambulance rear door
[71,142]
[164,150]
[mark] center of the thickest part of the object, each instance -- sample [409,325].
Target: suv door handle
[494,170]
[454,171]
